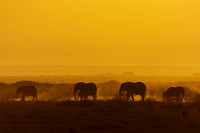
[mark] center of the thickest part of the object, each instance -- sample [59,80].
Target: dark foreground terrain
[98,117]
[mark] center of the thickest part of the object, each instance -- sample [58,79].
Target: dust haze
[55,83]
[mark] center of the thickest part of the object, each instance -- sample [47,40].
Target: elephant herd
[89,89]
[83,90]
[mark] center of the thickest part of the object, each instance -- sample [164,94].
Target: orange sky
[100,32]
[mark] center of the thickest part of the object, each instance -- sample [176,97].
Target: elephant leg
[84,98]
[132,97]
[81,98]
[181,98]
[142,97]
[178,99]
[23,98]
[94,97]
[169,99]
[128,96]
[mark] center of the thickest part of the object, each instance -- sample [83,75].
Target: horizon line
[95,65]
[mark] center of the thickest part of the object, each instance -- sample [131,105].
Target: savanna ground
[98,117]
[107,115]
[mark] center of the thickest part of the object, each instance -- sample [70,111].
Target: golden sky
[100,32]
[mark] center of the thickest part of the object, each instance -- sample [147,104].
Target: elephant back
[85,89]
[175,91]
[91,89]
[131,87]
[140,88]
[27,90]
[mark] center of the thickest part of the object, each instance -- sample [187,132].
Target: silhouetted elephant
[174,94]
[81,96]
[85,90]
[27,91]
[131,88]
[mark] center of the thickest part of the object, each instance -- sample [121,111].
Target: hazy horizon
[60,70]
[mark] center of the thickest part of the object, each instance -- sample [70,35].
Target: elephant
[85,90]
[27,91]
[174,94]
[131,88]
[81,96]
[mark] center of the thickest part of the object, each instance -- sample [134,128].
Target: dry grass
[97,117]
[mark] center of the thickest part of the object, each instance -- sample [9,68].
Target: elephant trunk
[165,96]
[164,99]
[75,90]
[74,94]
[120,91]
[17,94]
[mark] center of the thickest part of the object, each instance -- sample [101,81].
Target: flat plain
[97,117]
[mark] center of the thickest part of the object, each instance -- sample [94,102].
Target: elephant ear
[121,92]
